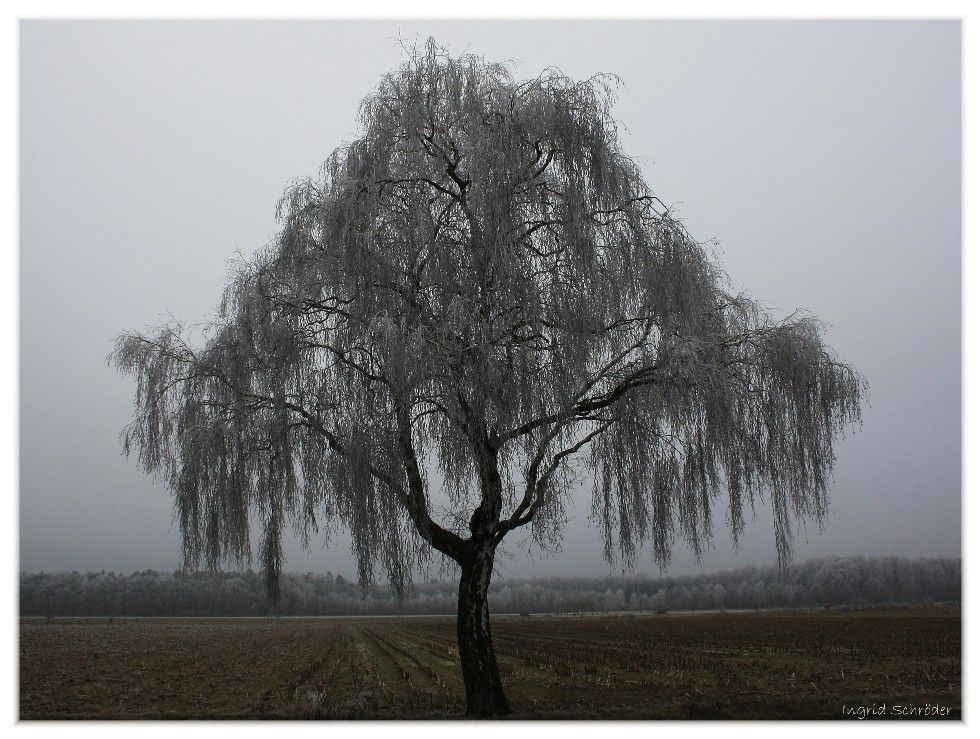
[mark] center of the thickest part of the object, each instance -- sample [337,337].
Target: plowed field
[896,663]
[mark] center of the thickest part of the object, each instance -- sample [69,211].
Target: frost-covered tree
[479,302]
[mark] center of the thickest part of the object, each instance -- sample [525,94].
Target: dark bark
[484,691]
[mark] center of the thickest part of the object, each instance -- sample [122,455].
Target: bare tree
[477,303]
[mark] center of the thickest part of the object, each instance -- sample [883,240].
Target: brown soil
[896,663]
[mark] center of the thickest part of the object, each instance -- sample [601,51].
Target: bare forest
[837,582]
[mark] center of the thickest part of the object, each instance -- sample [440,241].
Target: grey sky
[823,155]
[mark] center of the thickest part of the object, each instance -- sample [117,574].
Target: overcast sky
[823,155]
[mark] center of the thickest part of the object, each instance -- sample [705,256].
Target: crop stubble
[717,665]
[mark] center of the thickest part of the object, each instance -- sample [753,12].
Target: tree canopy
[484,268]
[478,302]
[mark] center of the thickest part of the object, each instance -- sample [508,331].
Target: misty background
[824,156]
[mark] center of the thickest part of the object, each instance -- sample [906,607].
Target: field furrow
[789,665]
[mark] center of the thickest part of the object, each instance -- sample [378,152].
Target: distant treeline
[830,582]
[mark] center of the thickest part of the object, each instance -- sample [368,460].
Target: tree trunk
[484,691]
